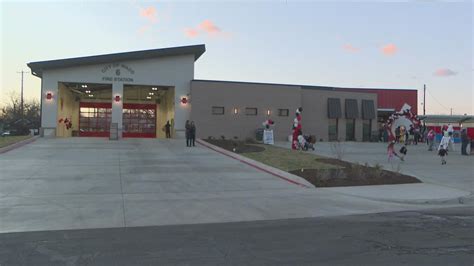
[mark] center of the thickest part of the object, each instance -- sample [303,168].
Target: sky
[339,43]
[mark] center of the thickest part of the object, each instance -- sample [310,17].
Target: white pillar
[117,107]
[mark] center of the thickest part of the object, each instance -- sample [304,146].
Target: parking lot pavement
[76,183]
[419,162]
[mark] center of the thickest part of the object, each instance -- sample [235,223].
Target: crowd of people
[424,135]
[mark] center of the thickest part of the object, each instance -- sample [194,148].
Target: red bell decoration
[49,96]
[117,98]
[184,100]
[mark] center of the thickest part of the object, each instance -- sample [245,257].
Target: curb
[18,144]
[467,200]
[257,165]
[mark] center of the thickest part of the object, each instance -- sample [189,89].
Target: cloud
[209,27]
[191,33]
[349,48]
[444,72]
[389,49]
[149,13]
[206,27]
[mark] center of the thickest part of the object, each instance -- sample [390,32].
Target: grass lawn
[287,160]
[8,140]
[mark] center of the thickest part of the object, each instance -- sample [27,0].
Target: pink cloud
[149,13]
[389,49]
[444,72]
[206,27]
[209,27]
[350,48]
[191,33]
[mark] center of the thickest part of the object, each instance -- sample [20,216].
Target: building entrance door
[139,120]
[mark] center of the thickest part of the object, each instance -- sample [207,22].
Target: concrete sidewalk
[440,182]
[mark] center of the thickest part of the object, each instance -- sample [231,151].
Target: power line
[434,98]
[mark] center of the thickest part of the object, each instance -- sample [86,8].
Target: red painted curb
[17,145]
[210,146]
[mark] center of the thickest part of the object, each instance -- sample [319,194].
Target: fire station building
[136,93]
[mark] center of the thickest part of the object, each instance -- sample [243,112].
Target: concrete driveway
[76,183]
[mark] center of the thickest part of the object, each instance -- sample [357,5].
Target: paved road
[429,237]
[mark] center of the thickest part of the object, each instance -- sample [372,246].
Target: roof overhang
[447,118]
[38,67]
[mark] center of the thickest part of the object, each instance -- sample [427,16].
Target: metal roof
[38,67]
[304,87]
[447,118]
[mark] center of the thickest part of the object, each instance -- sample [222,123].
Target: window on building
[251,111]
[217,110]
[283,112]
[333,129]
[350,129]
[367,130]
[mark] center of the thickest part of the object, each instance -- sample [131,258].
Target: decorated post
[296,129]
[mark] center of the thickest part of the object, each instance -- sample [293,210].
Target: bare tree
[11,117]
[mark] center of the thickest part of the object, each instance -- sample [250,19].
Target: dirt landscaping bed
[319,171]
[236,146]
[352,175]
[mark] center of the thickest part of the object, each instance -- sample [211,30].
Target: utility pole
[21,97]
[451,111]
[424,99]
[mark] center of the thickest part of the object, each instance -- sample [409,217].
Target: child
[403,152]
[391,150]
[443,152]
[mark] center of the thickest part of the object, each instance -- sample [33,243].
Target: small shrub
[357,170]
[338,149]
[223,137]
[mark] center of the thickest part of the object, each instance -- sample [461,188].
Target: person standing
[443,152]
[397,134]
[192,134]
[430,138]
[464,141]
[187,127]
[168,129]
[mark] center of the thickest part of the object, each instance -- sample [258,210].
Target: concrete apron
[77,183]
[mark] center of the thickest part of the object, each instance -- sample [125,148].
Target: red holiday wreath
[66,122]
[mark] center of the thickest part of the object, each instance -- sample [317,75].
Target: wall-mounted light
[49,96]
[236,111]
[269,112]
[117,98]
[184,100]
